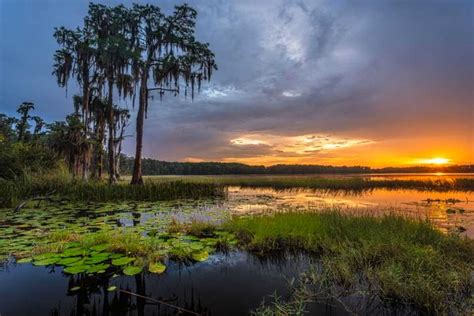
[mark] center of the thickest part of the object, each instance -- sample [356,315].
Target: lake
[231,283]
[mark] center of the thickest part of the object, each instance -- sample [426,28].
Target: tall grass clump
[396,259]
[327,183]
[353,183]
[61,185]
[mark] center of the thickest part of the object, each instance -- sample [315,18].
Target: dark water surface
[231,284]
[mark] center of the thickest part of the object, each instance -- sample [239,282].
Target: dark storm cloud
[364,69]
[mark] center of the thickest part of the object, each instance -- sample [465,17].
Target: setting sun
[435,161]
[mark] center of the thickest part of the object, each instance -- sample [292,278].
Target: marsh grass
[399,260]
[64,187]
[120,241]
[325,183]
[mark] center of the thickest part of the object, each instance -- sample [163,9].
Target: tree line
[28,143]
[157,167]
[123,53]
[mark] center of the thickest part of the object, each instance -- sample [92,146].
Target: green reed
[397,259]
[63,187]
[326,183]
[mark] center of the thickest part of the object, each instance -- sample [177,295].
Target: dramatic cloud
[387,82]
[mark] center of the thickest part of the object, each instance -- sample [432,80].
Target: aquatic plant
[124,250]
[44,223]
[14,192]
[396,259]
[352,183]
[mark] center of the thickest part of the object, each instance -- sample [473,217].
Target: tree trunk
[117,166]
[100,152]
[110,114]
[85,118]
[85,163]
[137,167]
[119,149]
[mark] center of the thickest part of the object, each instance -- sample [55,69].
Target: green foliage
[127,251]
[23,123]
[60,184]
[349,184]
[397,259]
[132,270]
[20,159]
[7,132]
[200,255]
[156,267]
[122,261]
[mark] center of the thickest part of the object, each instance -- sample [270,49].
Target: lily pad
[100,247]
[45,262]
[76,269]
[111,288]
[132,270]
[69,261]
[24,260]
[122,261]
[96,259]
[98,267]
[196,246]
[200,255]
[73,252]
[45,256]
[75,288]
[157,267]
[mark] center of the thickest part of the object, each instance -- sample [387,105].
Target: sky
[376,83]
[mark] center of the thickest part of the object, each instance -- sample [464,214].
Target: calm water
[231,284]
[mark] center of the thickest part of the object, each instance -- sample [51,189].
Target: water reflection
[452,210]
[208,288]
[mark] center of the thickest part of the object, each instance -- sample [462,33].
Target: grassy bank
[396,259]
[325,183]
[64,187]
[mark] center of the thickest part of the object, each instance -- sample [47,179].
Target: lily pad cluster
[22,231]
[76,259]
[98,259]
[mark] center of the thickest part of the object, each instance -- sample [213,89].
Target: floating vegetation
[127,251]
[156,267]
[37,224]
[132,270]
[122,261]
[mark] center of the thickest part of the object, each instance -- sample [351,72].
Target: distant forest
[157,167]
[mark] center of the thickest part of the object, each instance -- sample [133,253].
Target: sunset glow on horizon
[326,149]
[306,82]
[434,161]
